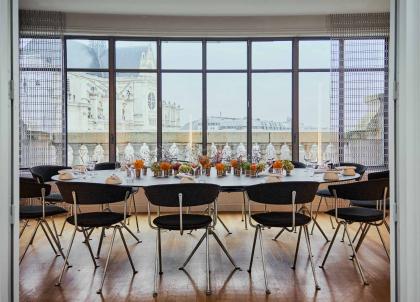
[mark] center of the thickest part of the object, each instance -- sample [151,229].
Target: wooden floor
[339,281]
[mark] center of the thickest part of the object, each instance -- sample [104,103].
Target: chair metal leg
[244,211]
[355,256]
[224,225]
[131,233]
[387,226]
[55,233]
[208,290]
[267,291]
[135,213]
[253,250]
[316,216]
[383,243]
[321,230]
[331,220]
[67,258]
[49,239]
[308,244]
[224,249]
[357,233]
[95,265]
[160,251]
[330,246]
[297,248]
[55,239]
[278,234]
[62,227]
[127,251]
[29,243]
[193,251]
[107,261]
[23,228]
[155,279]
[362,237]
[342,237]
[101,238]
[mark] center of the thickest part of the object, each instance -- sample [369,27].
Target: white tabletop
[226,182]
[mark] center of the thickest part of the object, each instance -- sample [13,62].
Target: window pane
[135,54]
[87,54]
[182,115]
[226,55]
[226,113]
[136,116]
[315,54]
[181,55]
[87,117]
[314,116]
[271,116]
[364,53]
[272,55]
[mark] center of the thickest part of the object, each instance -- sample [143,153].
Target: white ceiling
[209,7]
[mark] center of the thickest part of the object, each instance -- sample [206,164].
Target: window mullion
[159,100]
[295,99]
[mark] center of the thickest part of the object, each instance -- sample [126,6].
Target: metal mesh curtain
[359,88]
[42,107]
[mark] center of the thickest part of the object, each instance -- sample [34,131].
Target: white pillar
[406,178]
[9,129]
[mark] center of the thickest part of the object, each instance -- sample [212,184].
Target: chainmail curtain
[359,88]
[42,106]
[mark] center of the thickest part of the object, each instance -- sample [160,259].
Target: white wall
[407,147]
[8,186]
[167,26]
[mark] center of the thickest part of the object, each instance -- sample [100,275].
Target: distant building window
[151,101]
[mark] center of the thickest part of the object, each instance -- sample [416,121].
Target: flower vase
[165,173]
[144,171]
[247,173]
[253,173]
[156,173]
[278,171]
[208,170]
[138,173]
[288,172]
[220,173]
[237,172]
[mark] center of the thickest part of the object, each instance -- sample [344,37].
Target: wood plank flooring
[339,281]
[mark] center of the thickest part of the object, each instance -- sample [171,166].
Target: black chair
[282,193]
[364,190]
[298,164]
[243,210]
[180,196]
[94,194]
[38,212]
[113,166]
[325,193]
[43,174]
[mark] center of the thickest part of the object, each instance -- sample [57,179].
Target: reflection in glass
[135,54]
[92,54]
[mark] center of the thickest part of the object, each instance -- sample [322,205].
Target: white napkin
[66,175]
[113,180]
[187,179]
[273,178]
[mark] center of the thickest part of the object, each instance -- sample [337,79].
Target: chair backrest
[44,173]
[31,189]
[361,190]
[360,169]
[107,166]
[193,194]
[281,192]
[378,175]
[90,193]
[298,164]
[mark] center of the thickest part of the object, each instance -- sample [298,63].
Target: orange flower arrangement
[204,160]
[220,166]
[234,163]
[138,164]
[277,164]
[253,167]
[165,166]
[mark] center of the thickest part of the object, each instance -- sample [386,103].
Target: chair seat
[357,214]
[232,189]
[32,212]
[280,219]
[97,219]
[54,197]
[324,193]
[189,221]
[371,204]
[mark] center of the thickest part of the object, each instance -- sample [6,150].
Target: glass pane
[226,55]
[181,55]
[135,54]
[87,117]
[91,54]
[226,114]
[364,53]
[182,115]
[136,116]
[315,54]
[271,116]
[41,53]
[314,116]
[272,55]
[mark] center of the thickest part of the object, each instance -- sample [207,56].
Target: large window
[257,98]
